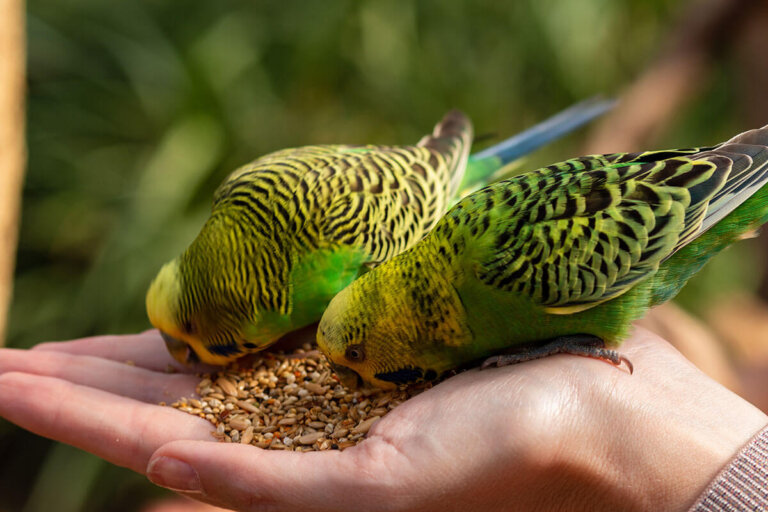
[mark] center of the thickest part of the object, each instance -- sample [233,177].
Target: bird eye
[355,353]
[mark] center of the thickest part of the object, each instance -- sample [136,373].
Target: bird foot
[578,344]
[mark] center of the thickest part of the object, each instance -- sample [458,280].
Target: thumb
[244,477]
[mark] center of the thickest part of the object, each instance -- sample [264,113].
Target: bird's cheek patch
[405,375]
[230,349]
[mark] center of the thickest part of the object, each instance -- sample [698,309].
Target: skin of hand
[560,433]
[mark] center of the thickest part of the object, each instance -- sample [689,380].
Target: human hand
[561,433]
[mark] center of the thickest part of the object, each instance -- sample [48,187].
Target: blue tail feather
[484,165]
[548,130]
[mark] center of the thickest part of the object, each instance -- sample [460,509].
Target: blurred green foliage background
[138,109]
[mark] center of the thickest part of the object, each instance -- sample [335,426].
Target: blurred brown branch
[674,78]
[706,28]
[695,341]
[12,147]
[741,321]
[753,70]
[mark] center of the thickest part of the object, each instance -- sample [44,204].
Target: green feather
[317,277]
[584,246]
[292,228]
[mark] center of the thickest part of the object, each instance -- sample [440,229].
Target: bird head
[195,326]
[371,335]
[206,308]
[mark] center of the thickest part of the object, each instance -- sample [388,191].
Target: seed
[365,425]
[310,438]
[227,386]
[239,423]
[291,402]
[317,389]
[248,406]
[339,433]
[247,436]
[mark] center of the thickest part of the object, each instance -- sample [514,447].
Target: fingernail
[173,474]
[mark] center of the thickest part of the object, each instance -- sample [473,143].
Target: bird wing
[388,201]
[392,196]
[578,233]
[380,198]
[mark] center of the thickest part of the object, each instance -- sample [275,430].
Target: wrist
[651,441]
[662,449]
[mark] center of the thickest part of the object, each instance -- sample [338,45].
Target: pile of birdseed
[289,402]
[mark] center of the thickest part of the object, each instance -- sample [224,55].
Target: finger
[111,376]
[180,504]
[121,430]
[244,477]
[146,350]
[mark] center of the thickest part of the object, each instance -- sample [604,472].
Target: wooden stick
[12,146]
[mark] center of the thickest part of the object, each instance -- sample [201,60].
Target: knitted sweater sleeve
[742,484]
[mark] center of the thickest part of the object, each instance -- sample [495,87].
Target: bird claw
[580,345]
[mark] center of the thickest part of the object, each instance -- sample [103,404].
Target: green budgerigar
[291,229]
[561,259]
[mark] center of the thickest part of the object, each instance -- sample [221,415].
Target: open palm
[563,433]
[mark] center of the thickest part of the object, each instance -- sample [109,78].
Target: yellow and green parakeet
[292,228]
[561,259]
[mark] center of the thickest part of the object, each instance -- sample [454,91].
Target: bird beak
[180,351]
[348,378]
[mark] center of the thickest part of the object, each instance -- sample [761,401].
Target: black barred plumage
[338,193]
[575,250]
[303,210]
[583,231]
[291,229]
